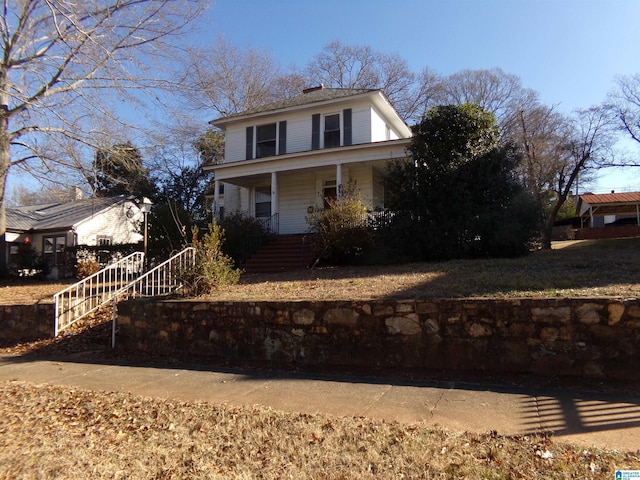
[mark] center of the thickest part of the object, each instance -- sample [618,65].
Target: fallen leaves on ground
[54,432]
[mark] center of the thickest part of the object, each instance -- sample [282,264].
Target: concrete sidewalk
[583,417]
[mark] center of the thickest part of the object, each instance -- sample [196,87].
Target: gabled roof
[314,96]
[55,216]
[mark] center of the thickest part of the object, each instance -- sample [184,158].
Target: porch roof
[377,154]
[609,204]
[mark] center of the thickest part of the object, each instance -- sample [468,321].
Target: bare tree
[22,195]
[59,60]
[542,134]
[625,104]
[225,79]
[494,90]
[587,148]
[346,66]
[556,149]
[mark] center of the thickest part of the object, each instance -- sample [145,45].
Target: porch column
[216,199]
[274,193]
[339,181]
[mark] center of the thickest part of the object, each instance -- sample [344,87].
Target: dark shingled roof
[313,96]
[57,215]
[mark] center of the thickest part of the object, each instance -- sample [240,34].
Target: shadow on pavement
[559,406]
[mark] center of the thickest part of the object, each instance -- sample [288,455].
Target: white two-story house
[284,159]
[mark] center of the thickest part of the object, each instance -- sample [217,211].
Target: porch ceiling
[612,209]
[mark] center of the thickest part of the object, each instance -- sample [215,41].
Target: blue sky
[570,51]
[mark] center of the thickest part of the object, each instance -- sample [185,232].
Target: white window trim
[254,153]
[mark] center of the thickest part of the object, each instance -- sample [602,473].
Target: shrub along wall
[583,337]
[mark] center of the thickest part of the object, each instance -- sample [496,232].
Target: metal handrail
[83,297]
[271,224]
[161,280]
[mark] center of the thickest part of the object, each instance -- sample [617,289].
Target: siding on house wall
[296,193]
[234,144]
[367,126]
[113,223]
[360,177]
[233,199]
[299,133]
[361,124]
[300,190]
[378,190]
[378,127]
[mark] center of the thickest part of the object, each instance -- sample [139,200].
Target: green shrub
[341,232]
[213,268]
[243,236]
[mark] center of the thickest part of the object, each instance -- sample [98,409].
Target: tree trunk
[5,160]
[4,168]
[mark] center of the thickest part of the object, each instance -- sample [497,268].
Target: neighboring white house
[286,158]
[93,221]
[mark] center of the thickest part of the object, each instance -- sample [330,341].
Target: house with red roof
[609,215]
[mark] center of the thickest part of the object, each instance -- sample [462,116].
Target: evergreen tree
[457,196]
[119,171]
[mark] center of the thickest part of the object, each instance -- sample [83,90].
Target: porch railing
[80,299]
[271,224]
[253,242]
[161,280]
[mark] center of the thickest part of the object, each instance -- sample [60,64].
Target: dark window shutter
[282,137]
[249,152]
[346,120]
[315,132]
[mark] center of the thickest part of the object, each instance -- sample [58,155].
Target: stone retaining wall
[594,337]
[25,323]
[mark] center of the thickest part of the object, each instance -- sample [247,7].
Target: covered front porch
[284,190]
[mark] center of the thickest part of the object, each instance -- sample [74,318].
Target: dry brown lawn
[51,432]
[586,268]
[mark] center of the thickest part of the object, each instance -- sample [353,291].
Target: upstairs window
[266,143]
[331,130]
[266,140]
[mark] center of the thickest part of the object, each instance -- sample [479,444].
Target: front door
[329,193]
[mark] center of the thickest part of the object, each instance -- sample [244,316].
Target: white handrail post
[114,315]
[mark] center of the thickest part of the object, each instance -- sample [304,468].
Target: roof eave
[222,122]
